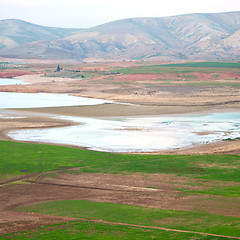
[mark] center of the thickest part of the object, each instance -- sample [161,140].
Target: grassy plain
[184,68]
[219,174]
[206,64]
[103,231]
[209,223]
[34,158]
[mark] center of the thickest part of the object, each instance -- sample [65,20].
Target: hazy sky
[88,13]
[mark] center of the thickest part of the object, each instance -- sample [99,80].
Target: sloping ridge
[191,36]
[14,33]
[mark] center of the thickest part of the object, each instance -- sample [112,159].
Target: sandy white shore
[140,134]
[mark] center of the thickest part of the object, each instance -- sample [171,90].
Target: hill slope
[14,33]
[192,36]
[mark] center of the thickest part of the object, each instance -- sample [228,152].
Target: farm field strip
[209,223]
[109,230]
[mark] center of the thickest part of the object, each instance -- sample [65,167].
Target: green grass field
[191,221]
[101,231]
[18,159]
[184,68]
[205,64]
[25,158]
[227,191]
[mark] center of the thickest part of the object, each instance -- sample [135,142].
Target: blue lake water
[139,134]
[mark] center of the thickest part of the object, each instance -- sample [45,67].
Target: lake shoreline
[224,147]
[127,110]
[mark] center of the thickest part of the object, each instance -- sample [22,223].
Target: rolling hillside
[190,37]
[14,33]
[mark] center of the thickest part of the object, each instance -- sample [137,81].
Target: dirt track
[162,228]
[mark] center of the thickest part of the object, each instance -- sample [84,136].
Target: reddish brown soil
[168,76]
[14,74]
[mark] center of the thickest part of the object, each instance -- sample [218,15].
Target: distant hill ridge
[190,37]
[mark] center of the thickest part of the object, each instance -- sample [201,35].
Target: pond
[139,134]
[11,81]
[35,100]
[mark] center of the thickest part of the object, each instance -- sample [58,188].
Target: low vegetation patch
[206,64]
[92,230]
[69,74]
[227,191]
[184,68]
[193,221]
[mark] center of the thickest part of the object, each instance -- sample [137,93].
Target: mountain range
[183,37]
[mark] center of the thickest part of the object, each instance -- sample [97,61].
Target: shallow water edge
[139,134]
